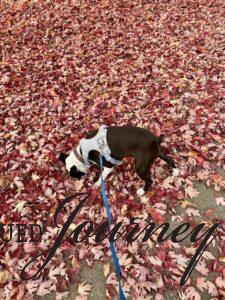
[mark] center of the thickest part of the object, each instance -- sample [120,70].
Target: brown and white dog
[125,141]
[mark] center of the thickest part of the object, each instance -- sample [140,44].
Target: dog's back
[125,141]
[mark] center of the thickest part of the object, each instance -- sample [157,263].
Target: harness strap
[111,244]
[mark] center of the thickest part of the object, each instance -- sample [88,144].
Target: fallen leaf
[191,192]
[185,203]
[220,201]
[106,269]
[19,206]
[155,261]
[84,288]
[167,182]
[220,282]
[192,212]
[192,294]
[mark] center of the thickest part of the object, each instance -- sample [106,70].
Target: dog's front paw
[140,192]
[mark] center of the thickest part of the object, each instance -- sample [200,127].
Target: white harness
[98,143]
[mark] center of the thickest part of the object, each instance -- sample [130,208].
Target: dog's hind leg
[143,170]
[146,176]
[167,159]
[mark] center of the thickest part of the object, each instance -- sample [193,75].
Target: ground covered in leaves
[68,67]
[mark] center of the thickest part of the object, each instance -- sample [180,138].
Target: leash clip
[101,144]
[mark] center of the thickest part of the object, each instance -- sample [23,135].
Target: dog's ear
[62,157]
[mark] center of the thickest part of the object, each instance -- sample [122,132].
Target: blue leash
[111,245]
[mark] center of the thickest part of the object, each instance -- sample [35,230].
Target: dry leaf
[185,203]
[167,182]
[106,269]
[191,192]
[84,288]
[220,201]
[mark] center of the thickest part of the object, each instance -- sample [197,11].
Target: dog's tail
[161,154]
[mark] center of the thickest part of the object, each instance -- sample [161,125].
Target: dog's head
[71,162]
